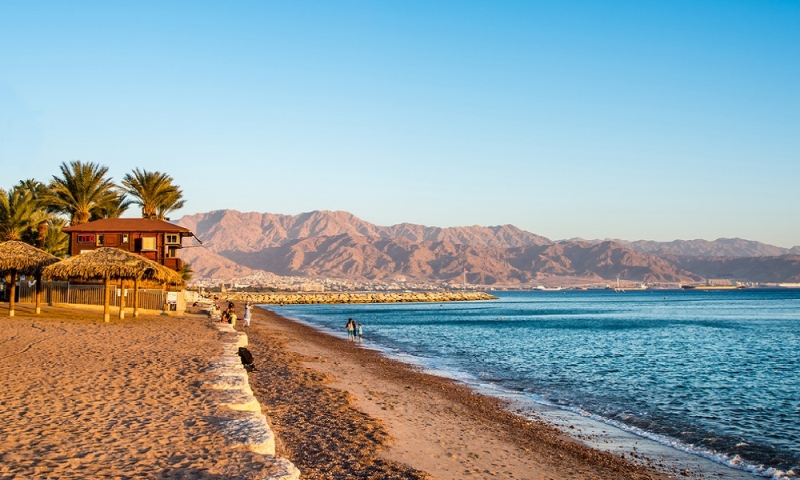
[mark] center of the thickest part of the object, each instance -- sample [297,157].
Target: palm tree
[172,201]
[115,208]
[56,241]
[20,215]
[82,190]
[39,192]
[154,192]
[186,272]
[37,188]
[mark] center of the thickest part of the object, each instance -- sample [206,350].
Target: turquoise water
[717,373]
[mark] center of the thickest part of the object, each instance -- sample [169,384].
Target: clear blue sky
[634,120]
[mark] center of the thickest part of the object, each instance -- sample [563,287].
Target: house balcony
[174,263]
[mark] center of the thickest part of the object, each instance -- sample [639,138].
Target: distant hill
[341,245]
[237,231]
[784,268]
[207,264]
[721,247]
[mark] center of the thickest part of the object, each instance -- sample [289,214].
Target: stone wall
[356,297]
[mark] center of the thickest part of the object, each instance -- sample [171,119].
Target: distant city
[262,282]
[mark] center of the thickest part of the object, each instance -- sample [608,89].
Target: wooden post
[164,306]
[12,290]
[135,298]
[39,288]
[106,300]
[121,298]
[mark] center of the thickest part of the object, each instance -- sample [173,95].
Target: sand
[83,399]
[130,399]
[342,411]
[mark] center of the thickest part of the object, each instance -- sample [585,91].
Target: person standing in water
[351,329]
[360,332]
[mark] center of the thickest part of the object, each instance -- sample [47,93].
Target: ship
[542,288]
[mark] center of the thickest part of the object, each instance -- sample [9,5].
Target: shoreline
[417,424]
[667,455]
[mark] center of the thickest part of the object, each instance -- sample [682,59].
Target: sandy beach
[83,399]
[341,411]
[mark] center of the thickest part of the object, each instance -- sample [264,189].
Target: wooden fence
[64,292]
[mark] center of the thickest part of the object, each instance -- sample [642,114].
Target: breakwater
[356,297]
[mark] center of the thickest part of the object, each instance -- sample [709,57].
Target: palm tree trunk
[41,234]
[12,290]
[106,300]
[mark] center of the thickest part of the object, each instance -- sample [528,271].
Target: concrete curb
[247,427]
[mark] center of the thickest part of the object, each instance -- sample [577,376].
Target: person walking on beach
[351,330]
[246,317]
[360,332]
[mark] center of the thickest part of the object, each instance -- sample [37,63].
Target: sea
[706,382]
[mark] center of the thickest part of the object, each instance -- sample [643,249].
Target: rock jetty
[356,297]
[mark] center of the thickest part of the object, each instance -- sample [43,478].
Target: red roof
[127,225]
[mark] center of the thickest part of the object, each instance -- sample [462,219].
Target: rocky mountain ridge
[340,245]
[721,247]
[252,231]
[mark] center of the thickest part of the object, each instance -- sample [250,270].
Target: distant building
[312,287]
[157,240]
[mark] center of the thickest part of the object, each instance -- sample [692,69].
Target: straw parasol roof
[111,263]
[22,258]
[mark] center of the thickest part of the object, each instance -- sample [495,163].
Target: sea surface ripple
[712,371]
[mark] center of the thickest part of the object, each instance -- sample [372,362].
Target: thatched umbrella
[112,263]
[20,258]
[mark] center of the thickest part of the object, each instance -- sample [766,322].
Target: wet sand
[81,399]
[341,411]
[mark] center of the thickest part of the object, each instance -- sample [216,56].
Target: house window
[172,252]
[85,238]
[148,244]
[124,238]
[100,240]
[173,238]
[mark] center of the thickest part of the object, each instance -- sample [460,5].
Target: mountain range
[337,244]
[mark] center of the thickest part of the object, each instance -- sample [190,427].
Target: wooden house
[157,240]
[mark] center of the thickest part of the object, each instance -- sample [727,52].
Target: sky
[656,120]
